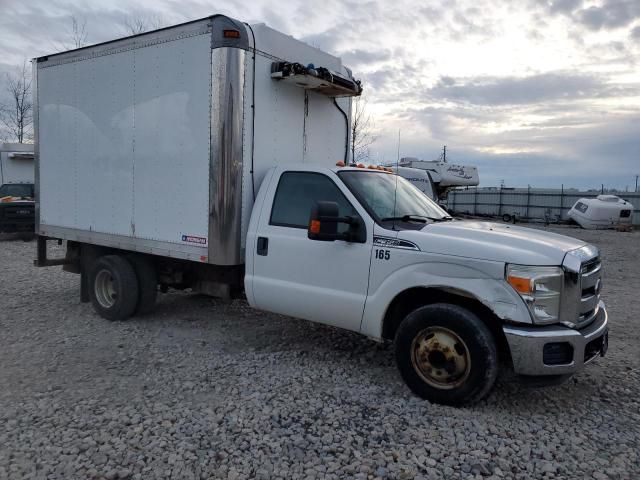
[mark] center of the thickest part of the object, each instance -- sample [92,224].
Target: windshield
[377,192]
[23,190]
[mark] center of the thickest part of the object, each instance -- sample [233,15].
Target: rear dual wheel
[446,354]
[120,287]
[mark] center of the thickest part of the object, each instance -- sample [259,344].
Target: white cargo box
[158,142]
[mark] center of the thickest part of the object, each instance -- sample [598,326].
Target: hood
[493,241]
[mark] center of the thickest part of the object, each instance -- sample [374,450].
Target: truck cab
[365,250]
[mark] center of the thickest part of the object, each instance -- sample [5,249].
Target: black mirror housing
[323,222]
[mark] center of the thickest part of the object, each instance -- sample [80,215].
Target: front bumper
[578,347]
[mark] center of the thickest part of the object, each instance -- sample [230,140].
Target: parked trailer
[444,176]
[602,212]
[210,156]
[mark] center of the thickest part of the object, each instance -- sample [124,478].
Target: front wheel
[446,354]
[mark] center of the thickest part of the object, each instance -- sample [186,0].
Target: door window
[298,192]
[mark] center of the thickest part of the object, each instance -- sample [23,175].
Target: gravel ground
[201,389]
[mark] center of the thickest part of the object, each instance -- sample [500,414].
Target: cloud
[564,6]
[515,90]
[612,14]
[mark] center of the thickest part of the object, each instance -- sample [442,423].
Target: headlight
[540,288]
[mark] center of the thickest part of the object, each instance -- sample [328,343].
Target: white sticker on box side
[194,239]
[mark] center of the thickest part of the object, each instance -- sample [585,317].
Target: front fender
[478,279]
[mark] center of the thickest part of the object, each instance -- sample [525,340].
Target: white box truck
[210,156]
[17,208]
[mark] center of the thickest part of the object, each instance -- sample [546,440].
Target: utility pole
[637,182]
[444,155]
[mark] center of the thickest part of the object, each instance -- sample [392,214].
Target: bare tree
[17,115]
[75,36]
[143,22]
[78,32]
[362,126]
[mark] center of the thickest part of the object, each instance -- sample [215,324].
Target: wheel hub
[440,357]
[105,289]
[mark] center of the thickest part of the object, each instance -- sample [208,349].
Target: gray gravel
[201,389]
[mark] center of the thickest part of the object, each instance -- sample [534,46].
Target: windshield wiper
[416,218]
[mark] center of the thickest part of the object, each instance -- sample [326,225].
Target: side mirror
[323,222]
[323,225]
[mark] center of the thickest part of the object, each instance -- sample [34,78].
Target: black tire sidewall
[125,284]
[477,337]
[147,284]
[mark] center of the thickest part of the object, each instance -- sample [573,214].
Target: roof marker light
[231,33]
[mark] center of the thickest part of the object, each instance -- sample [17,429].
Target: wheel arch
[412,298]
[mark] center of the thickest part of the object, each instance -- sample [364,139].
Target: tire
[113,287]
[506,218]
[446,354]
[147,283]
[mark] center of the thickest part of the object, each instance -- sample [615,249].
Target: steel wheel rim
[105,289]
[440,357]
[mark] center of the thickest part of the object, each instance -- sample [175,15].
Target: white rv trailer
[420,179]
[602,212]
[210,155]
[444,176]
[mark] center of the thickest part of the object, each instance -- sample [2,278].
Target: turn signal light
[521,285]
[315,226]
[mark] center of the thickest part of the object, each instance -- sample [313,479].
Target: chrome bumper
[527,345]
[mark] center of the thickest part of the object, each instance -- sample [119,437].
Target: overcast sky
[538,92]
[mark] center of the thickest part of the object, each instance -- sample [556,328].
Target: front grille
[18,212]
[590,265]
[581,293]
[590,286]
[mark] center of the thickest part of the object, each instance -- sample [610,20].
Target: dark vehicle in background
[17,206]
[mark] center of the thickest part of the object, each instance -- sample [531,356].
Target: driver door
[321,281]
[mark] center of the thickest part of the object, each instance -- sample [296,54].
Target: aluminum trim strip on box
[154,247]
[36,146]
[226,156]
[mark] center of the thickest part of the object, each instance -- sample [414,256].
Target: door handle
[263,246]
